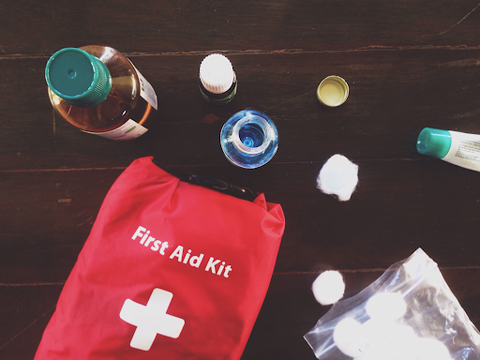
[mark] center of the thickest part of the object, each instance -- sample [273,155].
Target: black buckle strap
[212,183]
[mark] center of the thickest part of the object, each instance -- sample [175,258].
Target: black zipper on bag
[212,183]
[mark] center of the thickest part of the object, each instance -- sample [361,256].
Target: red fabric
[213,304]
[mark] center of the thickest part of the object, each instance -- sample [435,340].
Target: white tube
[455,147]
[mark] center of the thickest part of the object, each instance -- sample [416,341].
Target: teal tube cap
[78,77]
[434,142]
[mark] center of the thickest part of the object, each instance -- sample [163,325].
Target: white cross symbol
[151,319]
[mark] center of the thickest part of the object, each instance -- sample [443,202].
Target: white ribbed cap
[216,73]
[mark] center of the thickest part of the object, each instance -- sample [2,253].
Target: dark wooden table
[409,64]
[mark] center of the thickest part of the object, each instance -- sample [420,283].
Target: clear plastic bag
[408,313]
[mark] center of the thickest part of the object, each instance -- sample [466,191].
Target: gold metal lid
[333,91]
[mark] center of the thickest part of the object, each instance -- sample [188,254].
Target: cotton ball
[348,337]
[405,334]
[328,287]
[338,176]
[378,353]
[404,343]
[387,340]
[386,306]
[428,349]
[379,333]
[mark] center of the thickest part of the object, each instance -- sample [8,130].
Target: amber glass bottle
[99,91]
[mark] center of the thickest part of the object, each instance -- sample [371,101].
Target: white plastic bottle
[455,147]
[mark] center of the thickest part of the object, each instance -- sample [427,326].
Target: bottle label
[128,131]
[219,99]
[468,150]
[147,92]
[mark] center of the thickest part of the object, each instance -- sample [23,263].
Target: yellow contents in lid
[333,91]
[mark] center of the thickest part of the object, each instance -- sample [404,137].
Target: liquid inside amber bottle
[99,91]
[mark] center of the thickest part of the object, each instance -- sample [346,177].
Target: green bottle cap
[78,77]
[434,142]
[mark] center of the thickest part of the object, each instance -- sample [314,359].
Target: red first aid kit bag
[171,270]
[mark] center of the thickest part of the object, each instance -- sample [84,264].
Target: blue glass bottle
[249,139]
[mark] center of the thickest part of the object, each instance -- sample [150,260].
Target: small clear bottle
[249,139]
[99,91]
[217,79]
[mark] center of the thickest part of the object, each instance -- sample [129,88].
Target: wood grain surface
[409,64]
